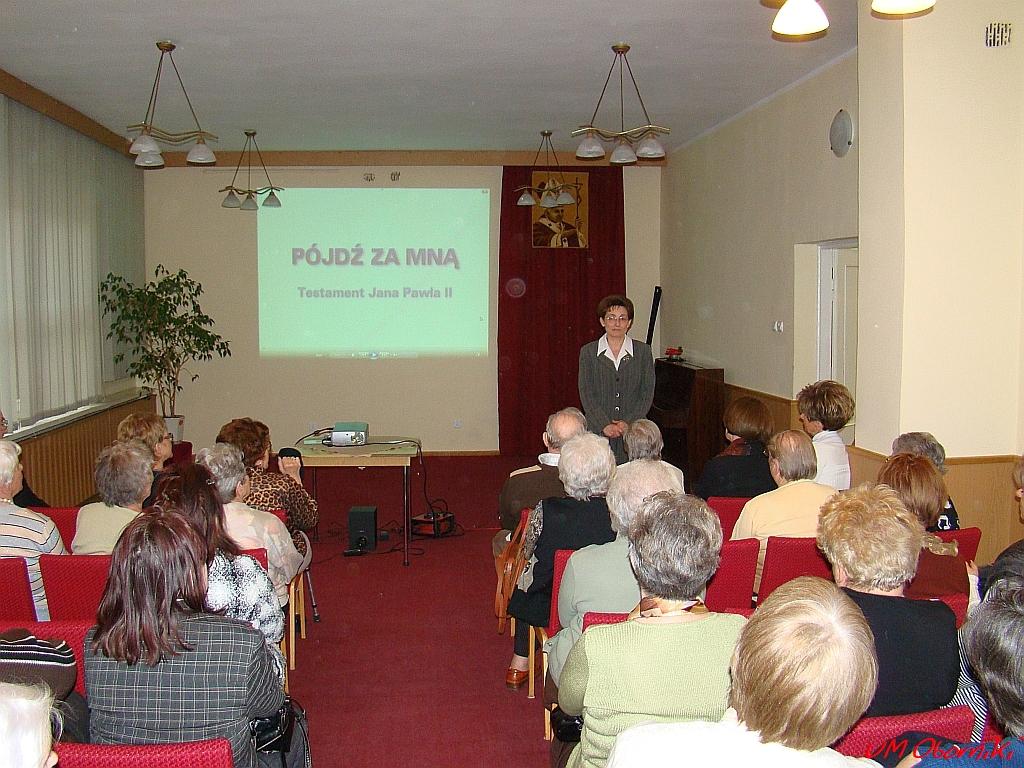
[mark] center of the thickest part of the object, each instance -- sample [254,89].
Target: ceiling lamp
[245,199]
[145,146]
[798,18]
[644,137]
[901,7]
[551,193]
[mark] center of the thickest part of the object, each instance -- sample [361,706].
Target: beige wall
[942,183]
[641,188]
[735,203]
[186,227]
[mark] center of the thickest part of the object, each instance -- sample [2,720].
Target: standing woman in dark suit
[616,375]
[160,669]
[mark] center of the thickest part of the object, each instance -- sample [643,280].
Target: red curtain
[546,306]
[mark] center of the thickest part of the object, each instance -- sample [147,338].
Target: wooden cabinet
[688,405]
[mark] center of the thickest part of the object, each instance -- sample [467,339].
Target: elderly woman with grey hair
[644,442]
[124,478]
[599,578]
[580,519]
[670,660]
[252,528]
[925,444]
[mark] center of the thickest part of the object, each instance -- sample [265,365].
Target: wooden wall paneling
[59,462]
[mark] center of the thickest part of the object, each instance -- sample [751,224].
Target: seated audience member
[826,407]
[792,508]
[151,430]
[670,660]
[272,490]
[585,468]
[940,570]
[124,478]
[925,444]
[873,543]
[741,469]
[156,642]
[644,442]
[526,486]
[24,533]
[994,639]
[599,578]
[785,706]
[28,660]
[27,719]
[251,528]
[236,585]
[25,497]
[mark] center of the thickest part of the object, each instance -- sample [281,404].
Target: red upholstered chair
[561,560]
[259,555]
[728,509]
[71,632]
[66,520]
[181,453]
[872,734]
[786,558]
[17,596]
[967,540]
[732,586]
[958,603]
[992,731]
[215,753]
[593,618]
[74,584]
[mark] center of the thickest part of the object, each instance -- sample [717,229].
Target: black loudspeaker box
[362,528]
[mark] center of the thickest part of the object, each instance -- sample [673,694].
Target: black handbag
[567,728]
[273,733]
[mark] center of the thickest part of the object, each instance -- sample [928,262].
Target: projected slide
[374,273]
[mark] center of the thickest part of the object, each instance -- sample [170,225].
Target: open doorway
[837,318]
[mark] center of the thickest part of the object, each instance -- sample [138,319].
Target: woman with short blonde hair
[873,543]
[27,718]
[151,430]
[803,672]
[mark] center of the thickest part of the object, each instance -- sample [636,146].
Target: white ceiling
[421,74]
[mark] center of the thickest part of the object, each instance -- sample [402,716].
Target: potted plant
[161,329]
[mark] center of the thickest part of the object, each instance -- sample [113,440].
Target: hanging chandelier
[249,195]
[799,18]
[551,193]
[630,144]
[901,7]
[145,146]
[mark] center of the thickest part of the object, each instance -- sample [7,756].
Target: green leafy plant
[161,329]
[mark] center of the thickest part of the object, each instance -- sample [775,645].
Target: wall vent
[998,33]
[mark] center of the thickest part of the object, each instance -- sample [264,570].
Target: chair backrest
[66,520]
[74,584]
[561,560]
[732,586]
[870,736]
[71,632]
[728,509]
[214,753]
[967,540]
[181,453]
[786,558]
[17,598]
[259,555]
[592,618]
[280,514]
[958,604]
[510,564]
[992,730]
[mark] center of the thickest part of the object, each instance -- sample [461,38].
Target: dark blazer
[524,488]
[568,524]
[745,476]
[26,498]
[209,692]
[609,395]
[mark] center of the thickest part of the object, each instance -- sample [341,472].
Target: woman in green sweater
[670,660]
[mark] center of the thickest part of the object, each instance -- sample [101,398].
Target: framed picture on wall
[563,226]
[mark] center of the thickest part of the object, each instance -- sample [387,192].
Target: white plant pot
[176,426]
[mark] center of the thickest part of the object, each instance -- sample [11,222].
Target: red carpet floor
[406,667]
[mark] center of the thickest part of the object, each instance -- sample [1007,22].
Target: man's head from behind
[791,457]
[562,427]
